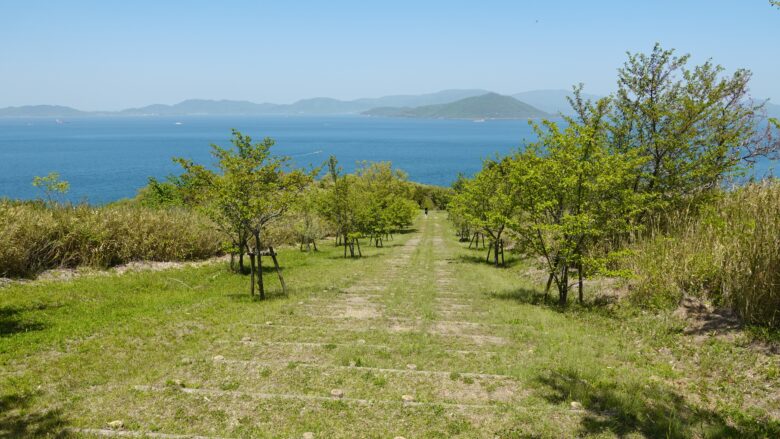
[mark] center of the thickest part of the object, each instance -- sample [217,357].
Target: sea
[110,158]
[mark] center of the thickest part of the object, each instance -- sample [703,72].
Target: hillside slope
[487,106]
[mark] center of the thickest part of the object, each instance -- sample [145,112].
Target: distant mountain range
[41,111]
[550,102]
[314,106]
[487,106]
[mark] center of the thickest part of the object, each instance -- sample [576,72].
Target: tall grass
[729,253]
[35,237]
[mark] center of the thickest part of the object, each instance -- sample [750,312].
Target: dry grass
[36,237]
[729,254]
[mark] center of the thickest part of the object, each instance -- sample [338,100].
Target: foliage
[382,199]
[488,202]
[431,197]
[667,140]
[336,206]
[373,202]
[574,192]
[308,225]
[695,126]
[185,190]
[249,190]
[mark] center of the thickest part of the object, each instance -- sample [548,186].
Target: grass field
[416,339]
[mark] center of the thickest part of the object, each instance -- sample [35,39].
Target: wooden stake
[278,270]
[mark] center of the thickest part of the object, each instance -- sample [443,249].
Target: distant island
[487,106]
[450,104]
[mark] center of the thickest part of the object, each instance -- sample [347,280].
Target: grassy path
[416,339]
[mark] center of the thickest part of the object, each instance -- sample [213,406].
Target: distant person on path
[426,212]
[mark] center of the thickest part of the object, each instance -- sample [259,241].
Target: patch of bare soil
[363,288]
[359,313]
[66,274]
[161,265]
[704,320]
[493,392]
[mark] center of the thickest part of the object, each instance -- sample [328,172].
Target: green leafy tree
[250,189]
[383,199]
[52,186]
[488,203]
[695,126]
[338,206]
[573,192]
[309,225]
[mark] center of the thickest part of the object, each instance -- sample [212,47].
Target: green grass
[427,320]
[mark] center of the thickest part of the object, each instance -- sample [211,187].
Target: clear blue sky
[116,54]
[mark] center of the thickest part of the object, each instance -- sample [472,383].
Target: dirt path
[403,351]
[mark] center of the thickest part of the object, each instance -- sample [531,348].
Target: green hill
[487,106]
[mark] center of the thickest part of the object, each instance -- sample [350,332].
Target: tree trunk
[241,267]
[563,286]
[278,270]
[580,282]
[549,284]
[252,264]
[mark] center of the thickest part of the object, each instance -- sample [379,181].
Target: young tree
[309,226]
[222,203]
[338,206]
[383,200]
[251,189]
[572,192]
[488,203]
[52,187]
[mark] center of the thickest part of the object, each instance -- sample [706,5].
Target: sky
[109,55]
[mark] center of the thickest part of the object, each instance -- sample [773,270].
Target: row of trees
[666,140]
[374,202]
[251,193]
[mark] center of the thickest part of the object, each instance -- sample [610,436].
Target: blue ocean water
[109,158]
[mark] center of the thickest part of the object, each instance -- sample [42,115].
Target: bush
[36,237]
[729,253]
